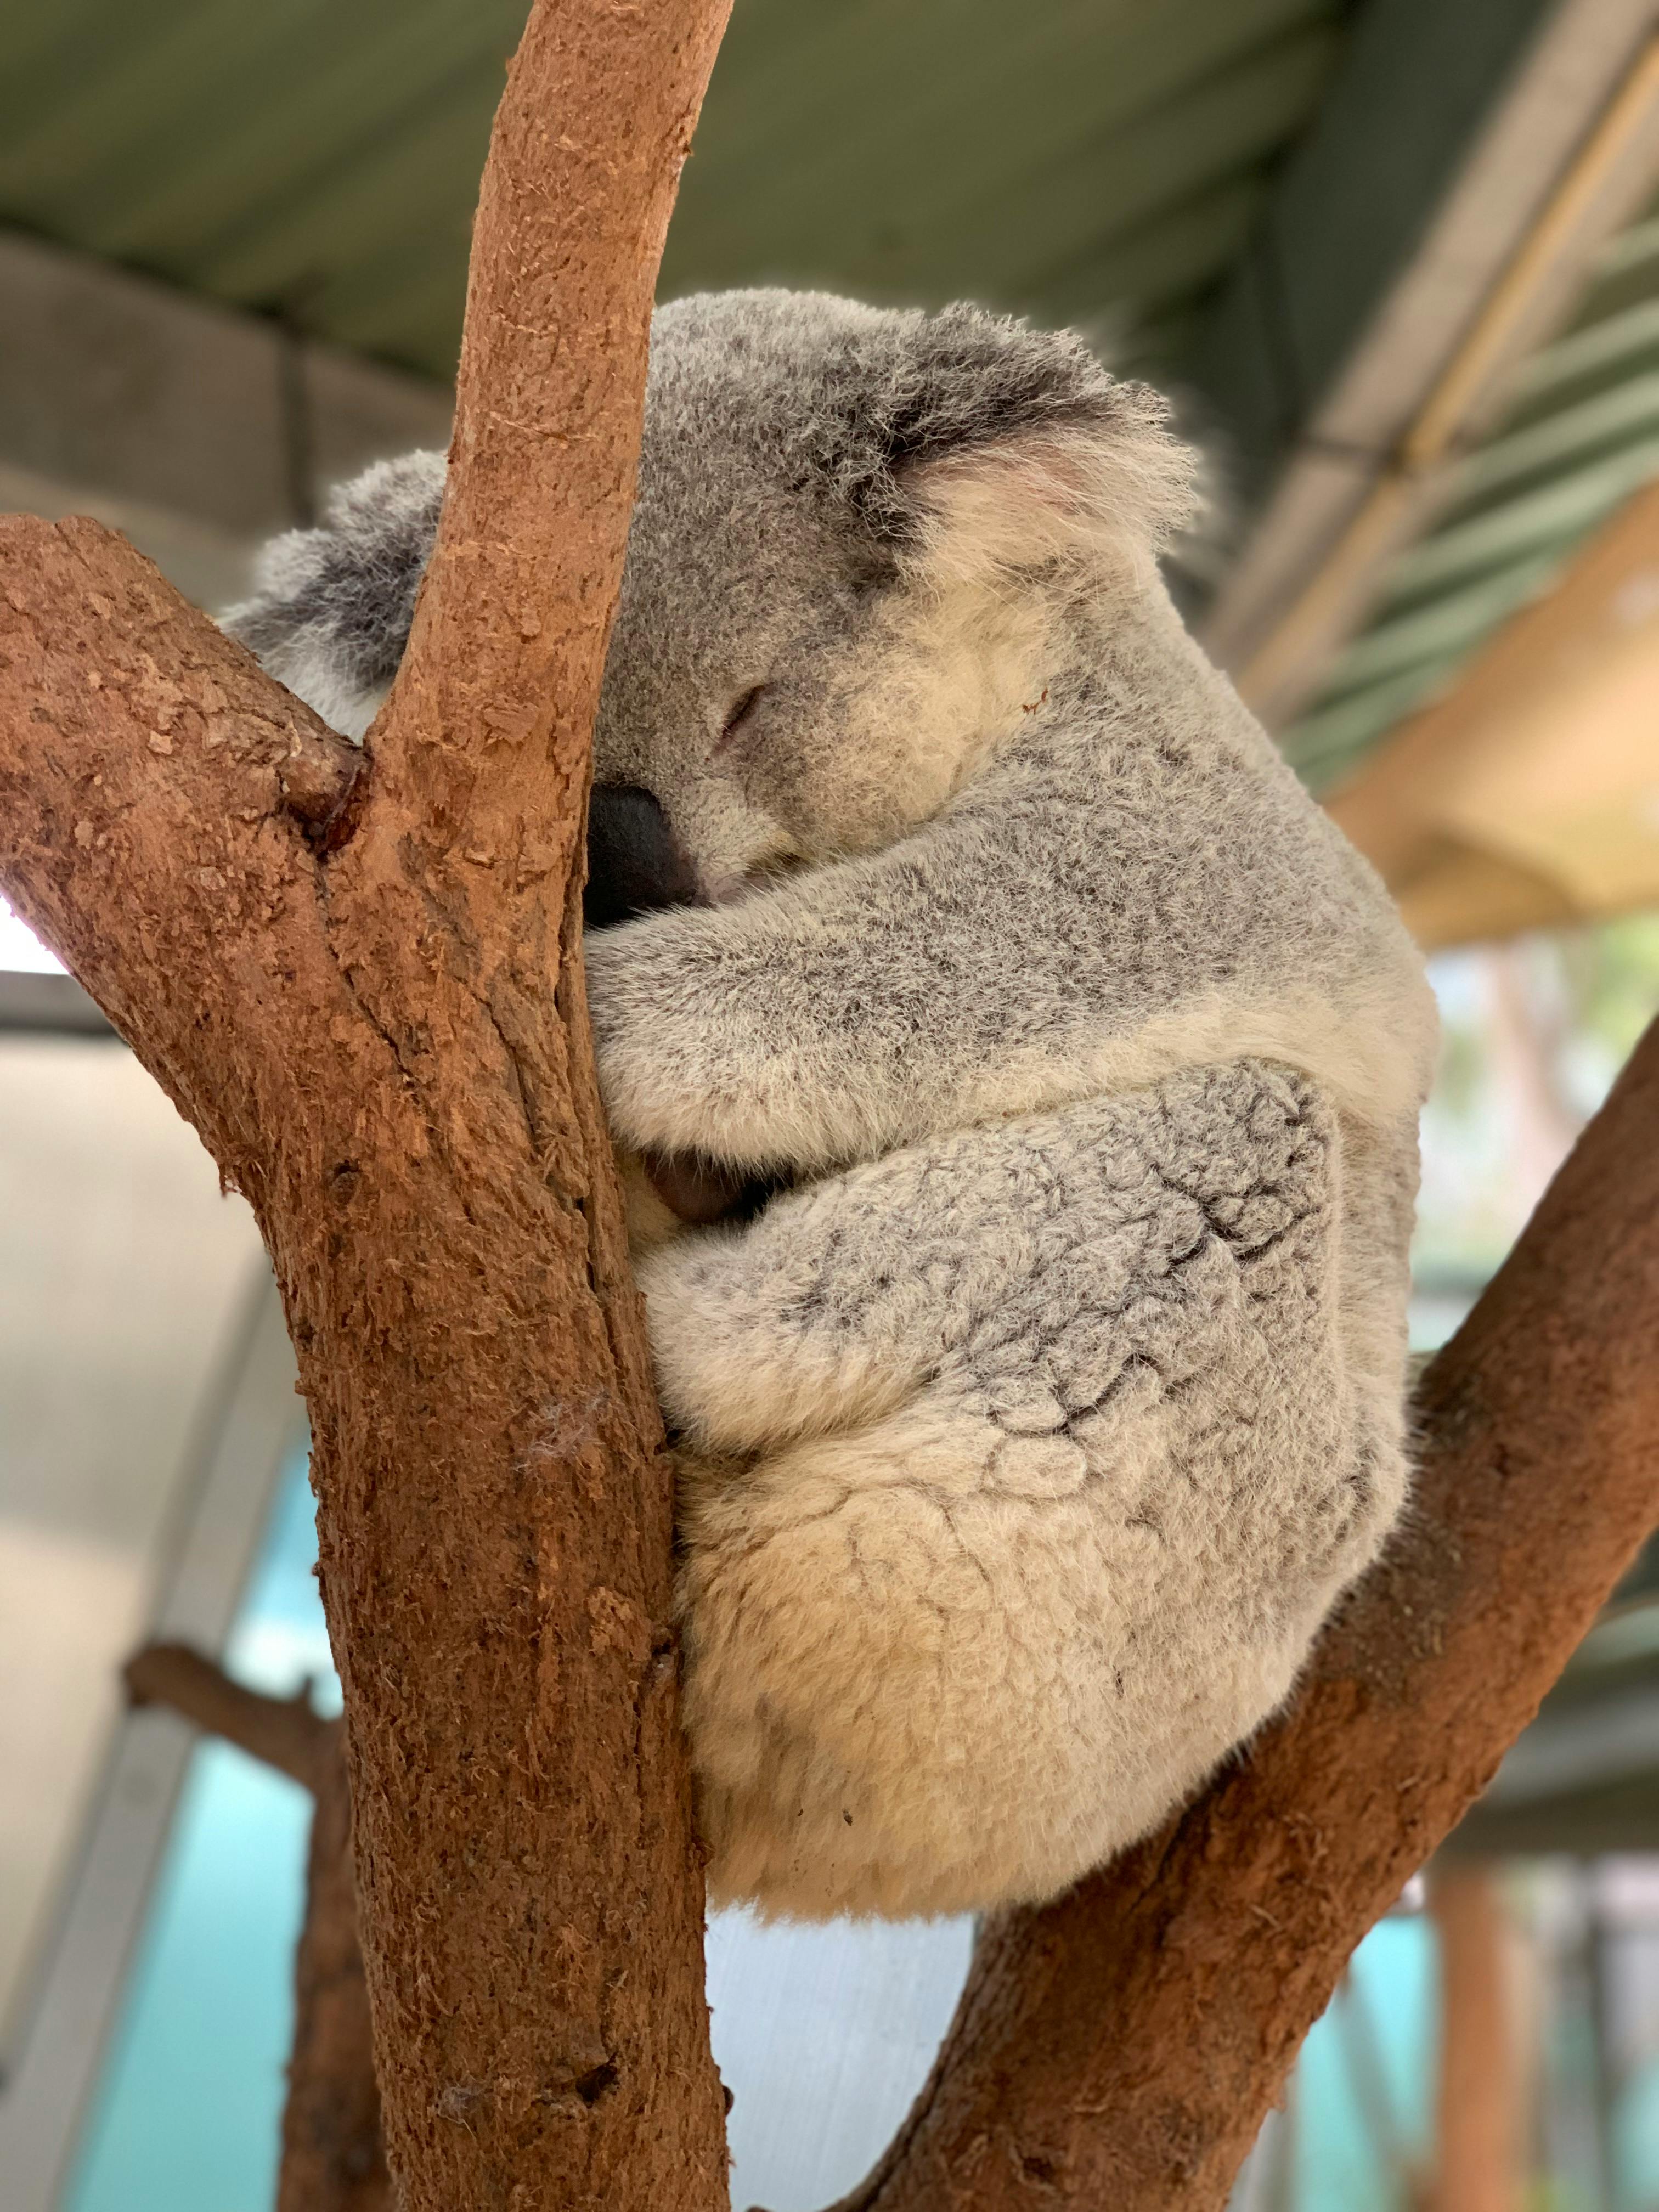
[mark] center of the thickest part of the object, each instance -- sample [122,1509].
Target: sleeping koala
[1050,1391]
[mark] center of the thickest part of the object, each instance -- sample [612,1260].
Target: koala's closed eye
[741,714]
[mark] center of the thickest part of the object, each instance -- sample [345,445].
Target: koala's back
[1081,1463]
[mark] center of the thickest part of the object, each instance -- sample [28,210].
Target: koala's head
[858,534]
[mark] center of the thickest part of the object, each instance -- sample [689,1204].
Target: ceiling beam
[47,1005]
[196,429]
[1527,795]
[1468,163]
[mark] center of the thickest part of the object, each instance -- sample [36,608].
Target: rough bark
[376,1019]
[333,2150]
[1477,2165]
[1120,2047]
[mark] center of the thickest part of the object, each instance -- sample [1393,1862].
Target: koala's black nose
[635,863]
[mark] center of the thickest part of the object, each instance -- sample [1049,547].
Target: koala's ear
[331,610]
[987,446]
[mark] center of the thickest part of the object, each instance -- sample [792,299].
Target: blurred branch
[333,2147]
[1477,2155]
[333,2152]
[286,1733]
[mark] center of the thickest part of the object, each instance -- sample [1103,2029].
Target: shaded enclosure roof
[1295,212]
[1074,158]
[1579,437]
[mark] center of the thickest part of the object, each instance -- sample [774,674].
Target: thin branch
[1122,2046]
[286,1733]
[333,2146]
[334,2151]
[333,2154]
[1478,2104]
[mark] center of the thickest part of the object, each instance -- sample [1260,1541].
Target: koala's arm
[1030,1260]
[777,1033]
[839,1300]
[1005,960]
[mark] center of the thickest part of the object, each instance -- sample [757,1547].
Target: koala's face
[741,660]
[822,632]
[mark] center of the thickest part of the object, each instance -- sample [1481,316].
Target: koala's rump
[956,1654]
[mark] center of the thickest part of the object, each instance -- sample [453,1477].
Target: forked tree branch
[1121,2047]
[377,1022]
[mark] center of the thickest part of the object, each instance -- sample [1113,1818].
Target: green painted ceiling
[1096,161]
[1085,160]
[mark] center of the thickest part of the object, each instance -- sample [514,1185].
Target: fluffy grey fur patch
[332,607]
[859,401]
[996,1542]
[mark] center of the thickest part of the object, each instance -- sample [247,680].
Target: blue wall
[187,2112]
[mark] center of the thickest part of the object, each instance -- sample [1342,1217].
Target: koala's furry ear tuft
[331,608]
[974,439]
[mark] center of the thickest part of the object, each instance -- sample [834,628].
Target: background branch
[333,2142]
[286,1733]
[333,2149]
[1480,2131]
[1122,2046]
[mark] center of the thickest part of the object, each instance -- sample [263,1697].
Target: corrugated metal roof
[1579,435]
[1079,159]
[1095,161]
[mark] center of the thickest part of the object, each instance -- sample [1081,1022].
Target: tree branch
[375,1018]
[286,1733]
[1122,2046]
[333,2149]
[333,2145]
[1479,2132]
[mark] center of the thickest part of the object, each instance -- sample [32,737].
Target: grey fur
[1025,1447]
[332,607]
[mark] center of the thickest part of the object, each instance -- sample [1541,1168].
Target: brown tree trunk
[381,1034]
[333,2149]
[1121,2047]
[1477,2119]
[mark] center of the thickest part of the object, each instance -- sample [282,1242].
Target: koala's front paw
[650,1041]
[700,1191]
[705,1045]
[665,1193]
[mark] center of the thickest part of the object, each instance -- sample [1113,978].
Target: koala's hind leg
[965,1646]
[938,1666]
